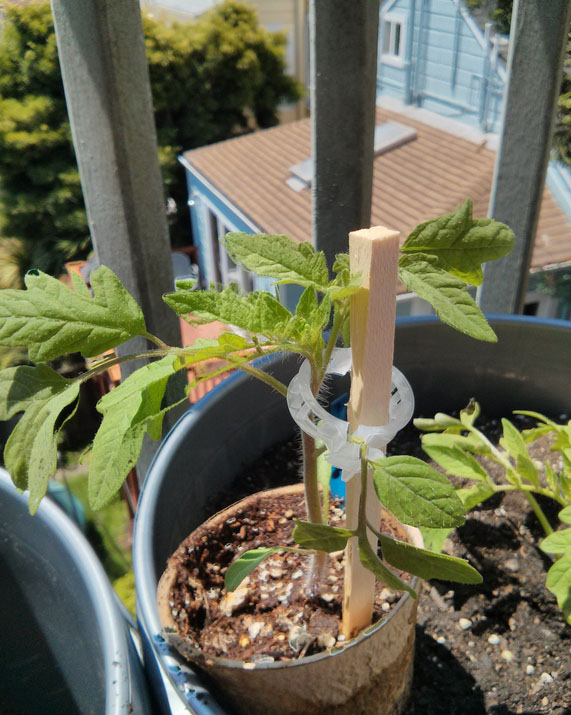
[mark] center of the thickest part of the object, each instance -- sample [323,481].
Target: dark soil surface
[501,647]
[270,616]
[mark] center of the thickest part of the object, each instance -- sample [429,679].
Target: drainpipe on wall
[485,78]
[419,69]
[456,51]
[409,94]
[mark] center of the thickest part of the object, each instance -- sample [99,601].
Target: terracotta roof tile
[426,177]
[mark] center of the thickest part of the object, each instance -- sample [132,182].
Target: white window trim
[391,59]
[236,275]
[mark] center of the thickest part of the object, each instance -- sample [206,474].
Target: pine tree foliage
[210,79]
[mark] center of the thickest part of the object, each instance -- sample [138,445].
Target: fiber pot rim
[365,634]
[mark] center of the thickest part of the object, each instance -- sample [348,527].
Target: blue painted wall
[446,64]
[201,197]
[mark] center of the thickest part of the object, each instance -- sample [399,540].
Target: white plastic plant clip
[332,431]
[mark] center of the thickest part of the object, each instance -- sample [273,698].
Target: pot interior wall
[527,369]
[45,626]
[64,647]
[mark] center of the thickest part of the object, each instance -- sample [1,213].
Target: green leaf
[24,385]
[514,444]
[31,450]
[312,316]
[257,312]
[320,537]
[417,494]
[559,583]
[551,478]
[116,449]
[127,411]
[439,423]
[559,542]
[345,283]
[185,283]
[468,443]
[455,461]
[278,257]
[530,435]
[538,416]
[372,562]
[427,564]
[475,495]
[79,285]
[565,515]
[50,319]
[221,347]
[470,413]
[447,295]
[461,242]
[434,538]
[244,564]
[342,263]
[307,304]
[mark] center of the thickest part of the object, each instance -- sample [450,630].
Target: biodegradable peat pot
[241,418]
[372,673]
[65,644]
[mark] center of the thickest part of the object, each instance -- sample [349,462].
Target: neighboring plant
[208,79]
[562,130]
[438,259]
[499,11]
[452,443]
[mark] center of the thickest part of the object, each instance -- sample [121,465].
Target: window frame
[218,259]
[392,19]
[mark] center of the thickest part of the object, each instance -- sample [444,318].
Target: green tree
[40,199]
[562,132]
[210,79]
[499,11]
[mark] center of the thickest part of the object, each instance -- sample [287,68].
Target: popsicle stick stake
[374,254]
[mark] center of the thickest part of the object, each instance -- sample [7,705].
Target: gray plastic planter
[65,646]
[528,369]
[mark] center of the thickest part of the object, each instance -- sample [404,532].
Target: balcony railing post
[537,44]
[106,81]
[343,86]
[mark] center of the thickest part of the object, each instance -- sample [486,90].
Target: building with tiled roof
[260,183]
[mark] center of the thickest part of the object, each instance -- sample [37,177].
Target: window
[393,39]
[223,270]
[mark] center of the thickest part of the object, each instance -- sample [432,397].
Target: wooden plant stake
[374,254]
